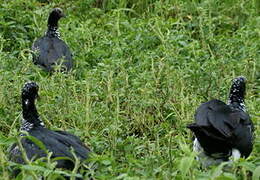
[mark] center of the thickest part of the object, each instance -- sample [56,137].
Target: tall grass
[142,68]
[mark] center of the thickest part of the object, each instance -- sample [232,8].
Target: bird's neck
[53,21]
[53,31]
[30,115]
[236,99]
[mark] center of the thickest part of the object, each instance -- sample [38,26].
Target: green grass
[142,68]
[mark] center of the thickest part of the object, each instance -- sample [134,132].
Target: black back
[50,50]
[60,143]
[220,127]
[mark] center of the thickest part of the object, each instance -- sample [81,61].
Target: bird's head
[57,12]
[54,17]
[238,86]
[30,91]
[238,91]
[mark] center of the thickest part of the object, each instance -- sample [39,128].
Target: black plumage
[224,130]
[50,50]
[60,143]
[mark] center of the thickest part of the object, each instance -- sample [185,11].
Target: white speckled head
[237,92]
[30,90]
[57,12]
[30,115]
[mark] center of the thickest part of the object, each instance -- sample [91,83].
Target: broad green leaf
[256,173]
[185,165]
[248,166]
[34,168]
[106,162]
[7,141]
[218,170]
[226,176]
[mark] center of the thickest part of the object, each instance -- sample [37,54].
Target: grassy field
[141,70]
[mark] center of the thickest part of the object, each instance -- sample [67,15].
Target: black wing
[218,127]
[60,143]
[32,151]
[218,115]
[49,50]
[243,135]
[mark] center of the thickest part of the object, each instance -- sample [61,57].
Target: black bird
[60,143]
[50,50]
[223,130]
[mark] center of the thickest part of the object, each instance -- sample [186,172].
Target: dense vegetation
[142,68]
